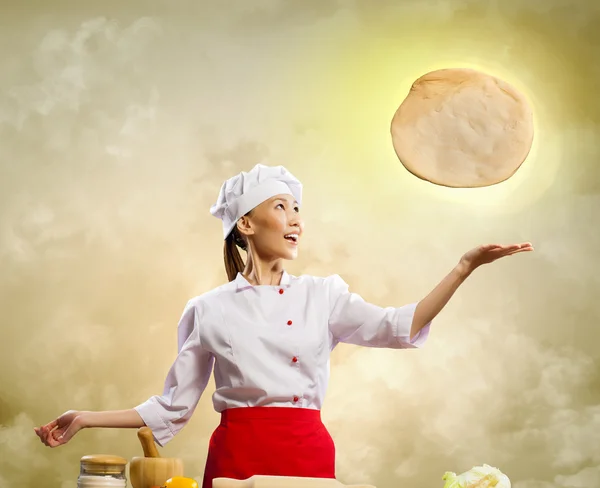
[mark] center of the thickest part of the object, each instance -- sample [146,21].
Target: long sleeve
[354,321]
[186,380]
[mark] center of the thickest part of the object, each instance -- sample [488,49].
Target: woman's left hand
[490,252]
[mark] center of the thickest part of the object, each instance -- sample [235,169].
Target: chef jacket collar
[242,283]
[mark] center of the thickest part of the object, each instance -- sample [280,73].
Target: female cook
[267,336]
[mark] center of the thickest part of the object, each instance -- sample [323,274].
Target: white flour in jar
[87,481]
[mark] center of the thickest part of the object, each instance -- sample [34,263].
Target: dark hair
[233,261]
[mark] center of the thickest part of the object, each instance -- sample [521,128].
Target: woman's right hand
[61,430]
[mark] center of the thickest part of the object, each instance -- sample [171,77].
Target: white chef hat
[244,191]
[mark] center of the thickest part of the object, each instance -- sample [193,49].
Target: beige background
[118,123]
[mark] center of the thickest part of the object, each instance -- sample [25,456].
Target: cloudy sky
[120,120]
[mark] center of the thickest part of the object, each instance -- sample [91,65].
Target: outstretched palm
[488,253]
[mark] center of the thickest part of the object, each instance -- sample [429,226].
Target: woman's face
[269,223]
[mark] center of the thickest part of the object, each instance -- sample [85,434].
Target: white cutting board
[257,481]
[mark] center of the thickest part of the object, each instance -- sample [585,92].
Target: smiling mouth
[291,240]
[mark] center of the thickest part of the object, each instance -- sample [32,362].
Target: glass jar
[102,471]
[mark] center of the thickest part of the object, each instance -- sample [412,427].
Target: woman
[268,336]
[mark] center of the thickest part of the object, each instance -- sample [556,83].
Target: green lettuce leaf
[478,477]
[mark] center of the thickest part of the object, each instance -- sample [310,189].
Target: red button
[281,291]
[296,399]
[295,359]
[289,322]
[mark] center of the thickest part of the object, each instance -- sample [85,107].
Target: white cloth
[246,190]
[251,335]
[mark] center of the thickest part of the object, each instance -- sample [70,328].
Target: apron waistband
[274,413]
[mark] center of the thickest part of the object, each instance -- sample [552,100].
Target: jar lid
[103,464]
[103,459]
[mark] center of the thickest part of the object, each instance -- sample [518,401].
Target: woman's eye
[297,209]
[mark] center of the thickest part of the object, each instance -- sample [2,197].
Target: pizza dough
[462,128]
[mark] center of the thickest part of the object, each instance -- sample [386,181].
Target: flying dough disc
[462,128]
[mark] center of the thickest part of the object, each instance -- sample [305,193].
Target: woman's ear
[244,227]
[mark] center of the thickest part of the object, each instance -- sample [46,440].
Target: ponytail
[233,261]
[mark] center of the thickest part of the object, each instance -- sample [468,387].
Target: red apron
[277,441]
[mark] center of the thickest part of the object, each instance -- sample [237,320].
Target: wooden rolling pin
[258,481]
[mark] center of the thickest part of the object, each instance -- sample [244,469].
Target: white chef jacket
[269,346]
